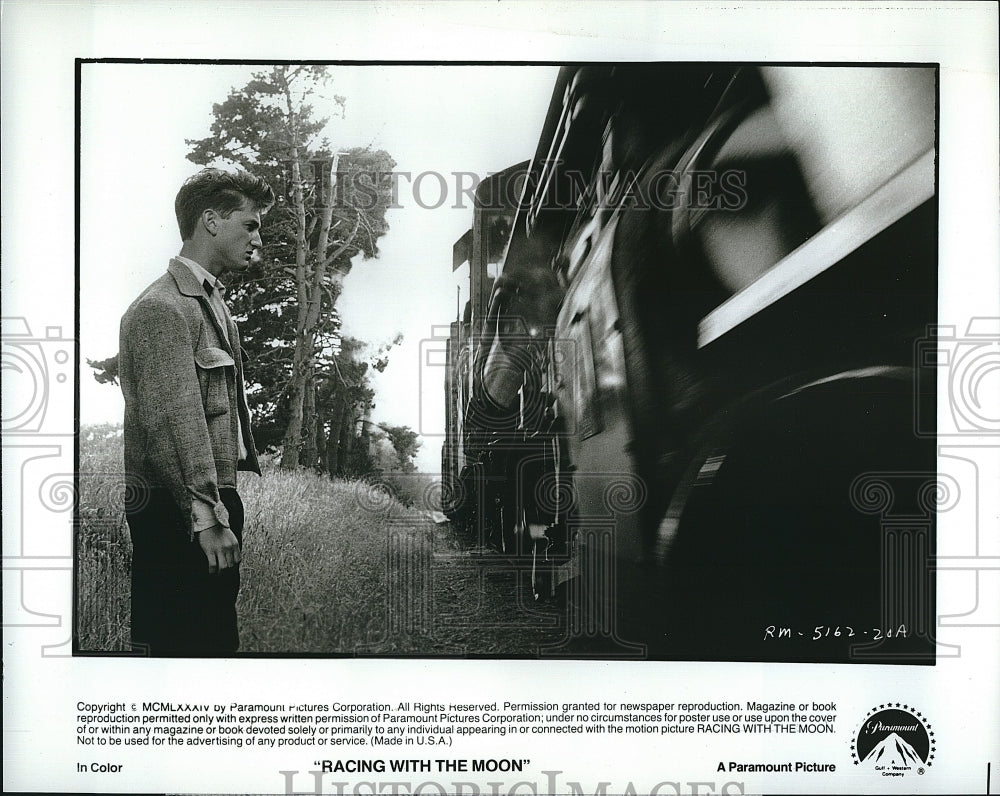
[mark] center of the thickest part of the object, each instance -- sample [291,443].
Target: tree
[344,404]
[106,370]
[331,207]
[405,442]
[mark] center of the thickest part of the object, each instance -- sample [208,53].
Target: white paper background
[42,684]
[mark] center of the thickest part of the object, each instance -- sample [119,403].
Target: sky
[443,119]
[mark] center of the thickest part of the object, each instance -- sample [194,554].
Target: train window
[581,249]
[584,378]
[831,158]
[585,227]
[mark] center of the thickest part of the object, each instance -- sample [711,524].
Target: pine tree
[331,207]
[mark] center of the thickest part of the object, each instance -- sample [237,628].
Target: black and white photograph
[474,377]
[661,370]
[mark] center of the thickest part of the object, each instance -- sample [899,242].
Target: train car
[688,382]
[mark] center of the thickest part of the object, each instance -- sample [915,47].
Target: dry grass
[314,559]
[329,567]
[104,551]
[314,563]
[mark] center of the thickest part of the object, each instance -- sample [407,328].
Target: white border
[40,41]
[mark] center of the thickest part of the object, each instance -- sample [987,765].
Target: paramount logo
[894,740]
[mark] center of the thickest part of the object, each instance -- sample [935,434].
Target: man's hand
[220,546]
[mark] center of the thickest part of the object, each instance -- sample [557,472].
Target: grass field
[314,560]
[329,567]
[103,549]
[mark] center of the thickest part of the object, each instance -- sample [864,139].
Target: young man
[187,425]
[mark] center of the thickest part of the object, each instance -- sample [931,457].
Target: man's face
[237,238]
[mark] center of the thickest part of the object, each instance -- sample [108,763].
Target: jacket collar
[188,285]
[187,282]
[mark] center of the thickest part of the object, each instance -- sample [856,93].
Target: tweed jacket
[183,387]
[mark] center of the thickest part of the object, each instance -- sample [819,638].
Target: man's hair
[223,191]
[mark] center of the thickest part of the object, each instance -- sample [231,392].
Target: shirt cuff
[207,515]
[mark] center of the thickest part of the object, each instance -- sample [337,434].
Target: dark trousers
[178,608]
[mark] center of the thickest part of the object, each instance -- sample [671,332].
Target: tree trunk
[333,462]
[304,335]
[365,437]
[310,286]
[332,443]
[347,438]
[321,438]
[309,455]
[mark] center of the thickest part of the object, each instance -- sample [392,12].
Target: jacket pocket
[215,369]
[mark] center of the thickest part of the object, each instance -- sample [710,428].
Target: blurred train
[685,396]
